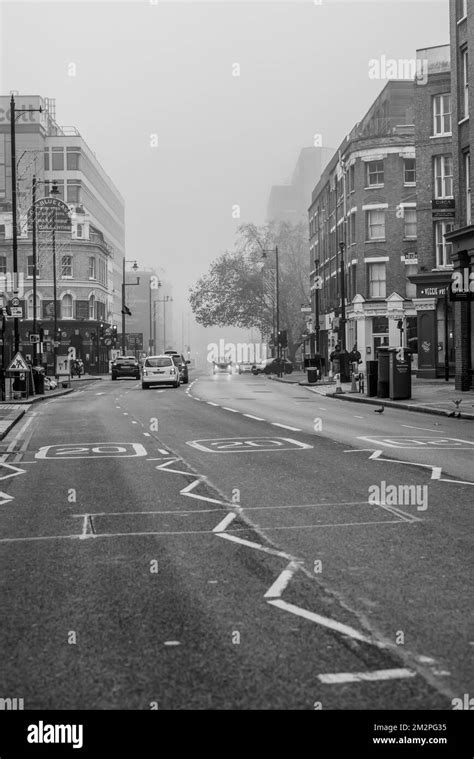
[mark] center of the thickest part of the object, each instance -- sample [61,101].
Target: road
[226,545]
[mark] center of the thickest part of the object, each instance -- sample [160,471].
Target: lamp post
[13,118]
[125,309]
[315,288]
[342,321]
[277,298]
[152,340]
[166,299]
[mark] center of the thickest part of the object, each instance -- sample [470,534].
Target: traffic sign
[15,302]
[17,364]
[306,309]
[34,339]
[17,312]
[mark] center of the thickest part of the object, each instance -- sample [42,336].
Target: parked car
[125,366]
[160,370]
[223,366]
[181,363]
[270,366]
[244,368]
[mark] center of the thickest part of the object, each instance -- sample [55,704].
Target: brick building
[88,254]
[435,214]
[462,237]
[366,198]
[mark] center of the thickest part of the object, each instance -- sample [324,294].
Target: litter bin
[383,381]
[372,378]
[313,365]
[400,375]
[313,376]
[38,378]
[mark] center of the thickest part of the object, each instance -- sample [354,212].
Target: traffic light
[101,332]
[283,338]
[93,336]
[114,335]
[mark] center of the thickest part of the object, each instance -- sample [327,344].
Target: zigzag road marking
[436,471]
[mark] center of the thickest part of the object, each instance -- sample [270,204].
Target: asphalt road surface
[236,543]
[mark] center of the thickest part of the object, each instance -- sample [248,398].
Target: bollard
[353,383]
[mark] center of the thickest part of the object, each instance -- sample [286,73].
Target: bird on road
[379,410]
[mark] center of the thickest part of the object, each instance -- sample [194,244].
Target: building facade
[289,202]
[462,236]
[366,200]
[436,211]
[88,253]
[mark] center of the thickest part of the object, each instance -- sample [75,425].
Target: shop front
[435,321]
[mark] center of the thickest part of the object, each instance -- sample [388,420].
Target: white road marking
[286,427]
[172,643]
[162,450]
[358,417]
[225,522]
[426,429]
[125,413]
[226,408]
[436,471]
[282,581]
[358,677]
[134,422]
[147,434]
[257,418]
[15,470]
[210,403]
[5,498]
[249,544]
[331,624]
[359,450]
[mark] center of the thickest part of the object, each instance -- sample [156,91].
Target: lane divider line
[285,427]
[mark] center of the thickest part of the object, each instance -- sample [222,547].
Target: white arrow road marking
[357,677]
[15,471]
[5,498]
[436,471]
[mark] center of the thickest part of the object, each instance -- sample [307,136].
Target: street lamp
[125,309]
[315,288]
[342,321]
[13,118]
[277,281]
[54,191]
[152,340]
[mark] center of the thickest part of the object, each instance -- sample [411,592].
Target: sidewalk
[428,396]
[12,412]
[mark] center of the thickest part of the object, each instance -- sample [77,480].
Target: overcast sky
[152,66]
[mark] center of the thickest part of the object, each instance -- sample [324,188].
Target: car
[125,366]
[222,366]
[181,363]
[160,370]
[270,366]
[244,368]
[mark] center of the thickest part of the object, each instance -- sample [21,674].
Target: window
[443,248]
[352,228]
[66,267]
[92,307]
[29,307]
[467,180]
[3,264]
[375,225]
[2,231]
[72,159]
[79,230]
[409,171]
[30,269]
[48,185]
[443,175]
[92,267]
[375,174]
[352,178]
[442,115]
[410,222]
[377,283]
[57,159]
[465,82]
[72,193]
[67,307]
[46,160]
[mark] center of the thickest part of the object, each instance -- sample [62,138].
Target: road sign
[17,312]
[17,364]
[305,309]
[108,341]
[15,302]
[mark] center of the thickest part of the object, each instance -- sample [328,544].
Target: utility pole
[33,218]
[16,344]
[123,307]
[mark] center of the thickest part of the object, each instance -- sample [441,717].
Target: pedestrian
[355,359]
[335,359]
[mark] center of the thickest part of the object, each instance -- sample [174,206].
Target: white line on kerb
[224,523]
[286,427]
[257,418]
[324,621]
[357,677]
